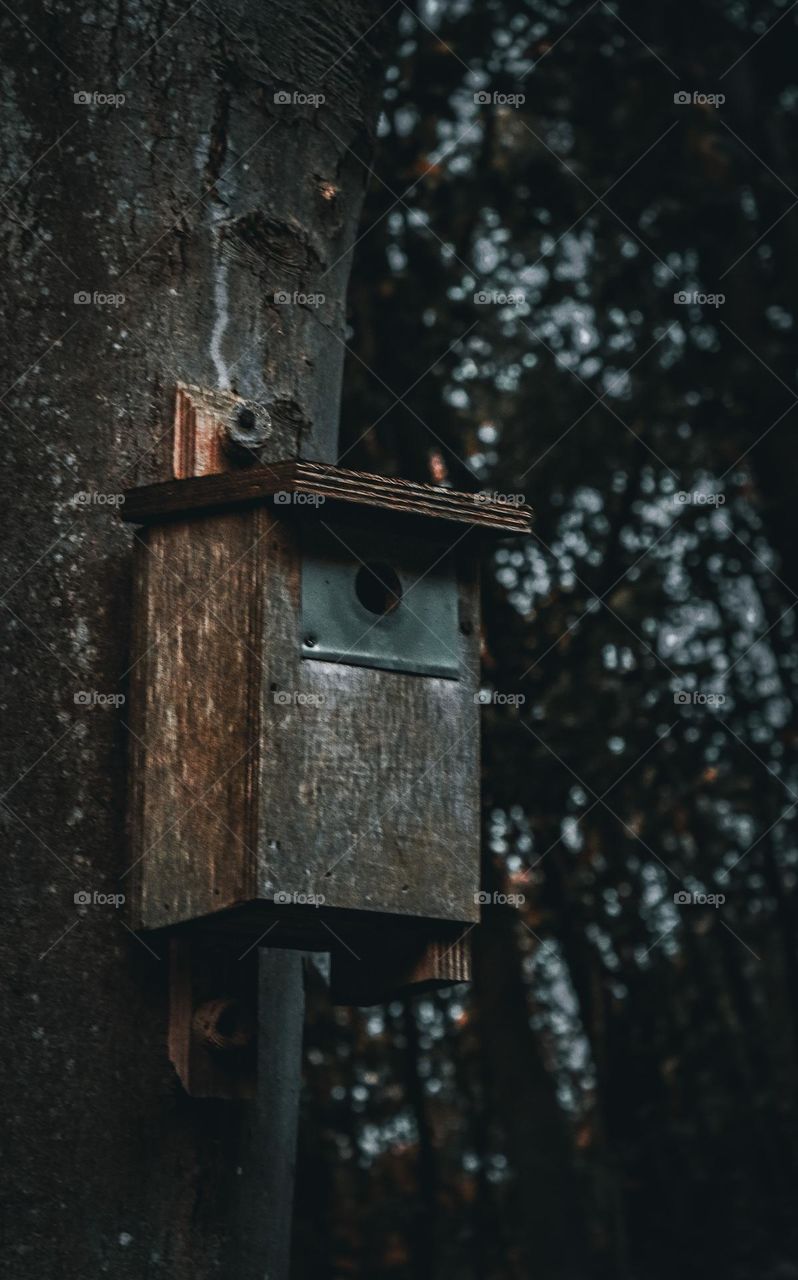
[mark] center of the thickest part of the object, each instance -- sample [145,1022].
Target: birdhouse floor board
[371,961]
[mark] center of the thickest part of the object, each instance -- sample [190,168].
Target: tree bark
[190,205]
[547,1210]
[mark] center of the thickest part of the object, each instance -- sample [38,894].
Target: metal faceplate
[379,599]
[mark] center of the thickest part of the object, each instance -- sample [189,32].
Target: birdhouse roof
[154,503]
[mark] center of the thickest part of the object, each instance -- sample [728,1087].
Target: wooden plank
[334,484]
[197,431]
[196,731]
[206,426]
[369,788]
[383,814]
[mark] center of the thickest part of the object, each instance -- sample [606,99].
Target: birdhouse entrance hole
[378,588]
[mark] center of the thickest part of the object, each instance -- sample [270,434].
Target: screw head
[248,428]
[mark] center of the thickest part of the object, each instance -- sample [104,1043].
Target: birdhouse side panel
[195,716]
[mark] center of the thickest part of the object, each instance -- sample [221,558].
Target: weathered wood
[192,560]
[386,765]
[333,484]
[194,717]
[208,421]
[433,957]
[260,775]
[384,816]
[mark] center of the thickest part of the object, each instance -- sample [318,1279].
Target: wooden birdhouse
[305,714]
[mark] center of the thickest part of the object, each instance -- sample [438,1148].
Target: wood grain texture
[370,786]
[195,684]
[334,484]
[201,429]
[197,429]
[261,775]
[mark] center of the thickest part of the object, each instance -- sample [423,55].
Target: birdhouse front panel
[369,788]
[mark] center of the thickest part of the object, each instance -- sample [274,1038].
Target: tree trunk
[547,1210]
[180,213]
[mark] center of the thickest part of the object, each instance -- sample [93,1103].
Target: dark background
[616,1094]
